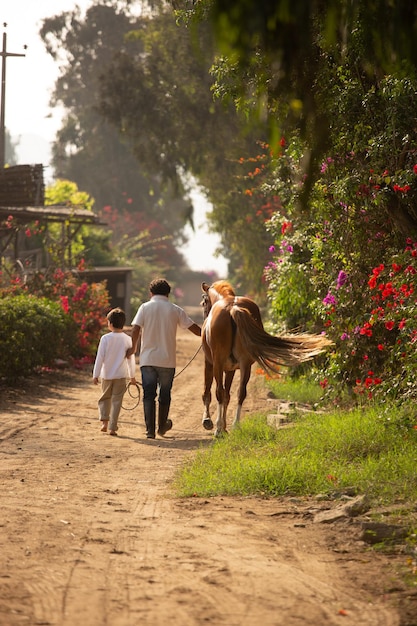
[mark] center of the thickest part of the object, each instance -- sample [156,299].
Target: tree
[10,149]
[337,82]
[88,150]
[157,92]
[274,50]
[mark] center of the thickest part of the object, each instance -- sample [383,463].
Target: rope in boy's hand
[135,395]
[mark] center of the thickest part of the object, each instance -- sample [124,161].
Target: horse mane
[223,288]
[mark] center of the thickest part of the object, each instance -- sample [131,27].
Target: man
[155,327]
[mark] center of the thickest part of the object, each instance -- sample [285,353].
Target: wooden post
[4,54]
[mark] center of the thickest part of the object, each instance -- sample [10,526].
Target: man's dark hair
[117,318]
[159,287]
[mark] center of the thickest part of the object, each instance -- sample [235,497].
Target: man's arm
[136,334]
[195,329]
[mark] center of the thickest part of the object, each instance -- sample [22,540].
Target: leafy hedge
[33,332]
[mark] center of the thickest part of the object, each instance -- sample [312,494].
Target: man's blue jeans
[154,376]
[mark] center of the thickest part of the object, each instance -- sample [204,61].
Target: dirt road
[92,535]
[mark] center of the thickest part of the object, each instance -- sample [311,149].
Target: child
[113,367]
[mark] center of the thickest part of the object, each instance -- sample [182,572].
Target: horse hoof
[208,424]
[220,433]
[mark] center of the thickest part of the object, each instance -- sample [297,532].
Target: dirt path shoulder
[92,535]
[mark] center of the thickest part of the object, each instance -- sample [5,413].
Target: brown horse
[233,337]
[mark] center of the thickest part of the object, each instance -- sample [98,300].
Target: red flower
[64,303]
[366,330]
[389,325]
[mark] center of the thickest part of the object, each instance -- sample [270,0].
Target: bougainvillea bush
[86,304]
[392,327]
[32,334]
[83,305]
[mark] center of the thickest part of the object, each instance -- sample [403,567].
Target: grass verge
[323,453]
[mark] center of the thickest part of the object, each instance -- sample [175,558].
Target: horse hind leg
[222,406]
[208,380]
[245,373]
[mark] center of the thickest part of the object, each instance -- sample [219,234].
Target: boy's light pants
[110,401]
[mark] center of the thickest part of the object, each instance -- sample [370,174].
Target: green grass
[300,390]
[322,453]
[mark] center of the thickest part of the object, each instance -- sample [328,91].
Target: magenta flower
[341,279]
[329,299]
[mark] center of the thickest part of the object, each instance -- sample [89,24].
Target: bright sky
[29,119]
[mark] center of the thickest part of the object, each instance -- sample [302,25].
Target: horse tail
[272,352]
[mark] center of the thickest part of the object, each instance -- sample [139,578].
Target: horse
[233,337]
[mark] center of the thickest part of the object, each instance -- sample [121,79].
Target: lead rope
[190,361]
[204,303]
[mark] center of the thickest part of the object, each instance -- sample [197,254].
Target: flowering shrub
[393,321]
[32,334]
[86,305]
[375,350]
[83,304]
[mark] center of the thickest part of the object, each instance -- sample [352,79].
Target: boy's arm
[98,361]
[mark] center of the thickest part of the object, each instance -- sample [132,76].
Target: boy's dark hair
[117,318]
[159,287]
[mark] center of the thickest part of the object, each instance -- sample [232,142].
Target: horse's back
[246,303]
[217,333]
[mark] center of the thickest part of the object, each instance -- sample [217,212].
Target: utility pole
[4,54]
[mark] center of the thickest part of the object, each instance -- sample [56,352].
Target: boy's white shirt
[111,361]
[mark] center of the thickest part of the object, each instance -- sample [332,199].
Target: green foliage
[65,193]
[84,305]
[302,389]
[32,334]
[131,198]
[381,35]
[361,209]
[321,454]
[158,94]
